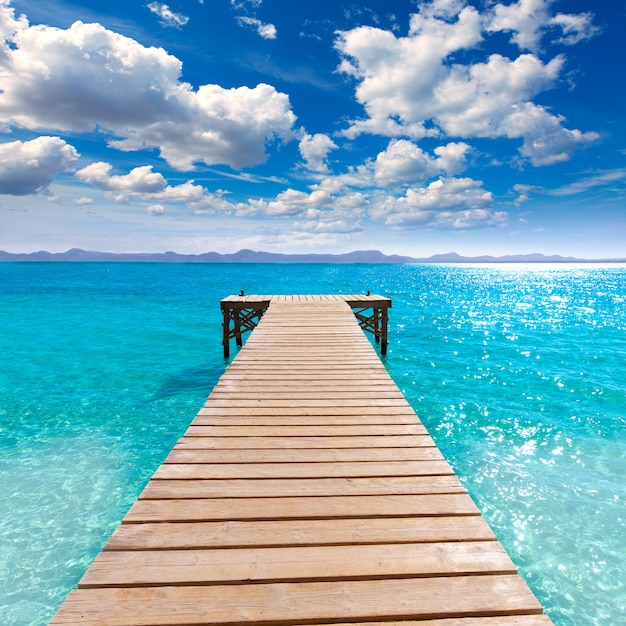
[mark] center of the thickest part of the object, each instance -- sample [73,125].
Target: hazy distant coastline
[252,256]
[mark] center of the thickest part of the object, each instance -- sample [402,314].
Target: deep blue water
[518,372]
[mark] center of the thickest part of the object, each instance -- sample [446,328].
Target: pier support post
[375,322]
[244,317]
[384,322]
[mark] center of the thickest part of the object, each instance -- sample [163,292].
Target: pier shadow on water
[198,379]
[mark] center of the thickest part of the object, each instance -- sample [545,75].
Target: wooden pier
[306,491]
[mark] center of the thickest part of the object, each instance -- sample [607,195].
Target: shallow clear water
[518,372]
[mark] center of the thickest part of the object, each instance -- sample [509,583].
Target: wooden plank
[202,471]
[319,362]
[317,341]
[295,564]
[331,532]
[275,349]
[316,331]
[331,324]
[345,376]
[318,455]
[287,380]
[300,507]
[322,345]
[327,430]
[307,420]
[501,620]
[322,348]
[311,351]
[296,411]
[372,403]
[345,396]
[318,326]
[324,325]
[320,330]
[260,382]
[388,599]
[307,370]
[230,388]
[284,487]
[321,353]
[396,441]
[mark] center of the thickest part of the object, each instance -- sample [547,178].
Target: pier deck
[306,491]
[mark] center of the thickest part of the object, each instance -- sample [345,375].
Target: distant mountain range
[251,256]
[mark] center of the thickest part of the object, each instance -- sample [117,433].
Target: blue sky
[405,126]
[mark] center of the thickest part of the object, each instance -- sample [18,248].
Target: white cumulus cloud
[526,19]
[314,150]
[140,183]
[155,209]
[413,87]
[405,163]
[447,203]
[87,77]
[292,202]
[139,180]
[531,20]
[28,167]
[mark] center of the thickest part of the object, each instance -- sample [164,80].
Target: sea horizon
[79,255]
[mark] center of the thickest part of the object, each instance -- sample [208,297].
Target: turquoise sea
[518,371]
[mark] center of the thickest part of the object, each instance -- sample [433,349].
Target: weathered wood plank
[501,620]
[296,411]
[307,420]
[320,327]
[239,369]
[300,507]
[331,532]
[188,471]
[295,564]
[320,362]
[394,441]
[339,397]
[327,430]
[309,351]
[372,403]
[318,455]
[300,339]
[263,392]
[285,487]
[274,374]
[393,599]
[318,339]
[228,384]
